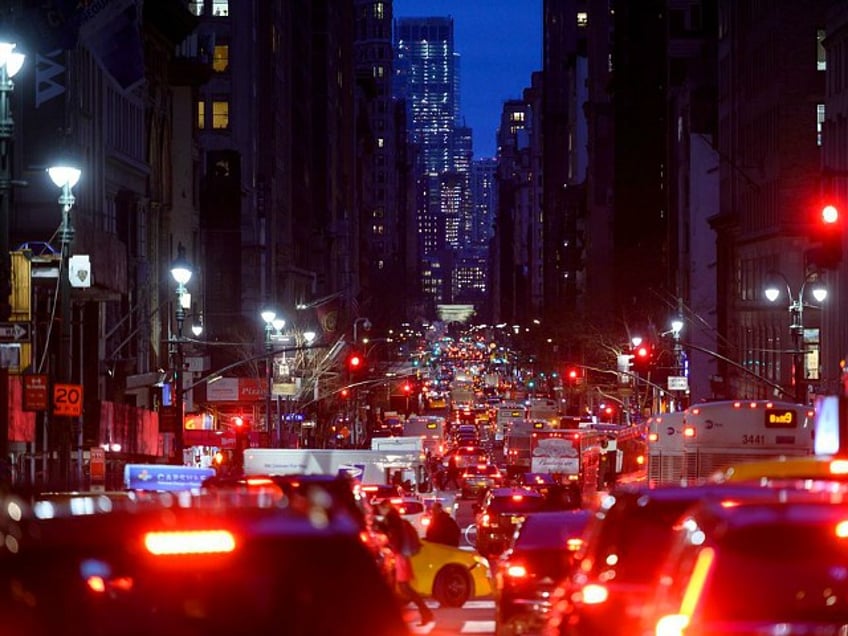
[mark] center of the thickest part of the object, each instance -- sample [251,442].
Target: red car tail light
[516,571]
[594,594]
[189,542]
[486,520]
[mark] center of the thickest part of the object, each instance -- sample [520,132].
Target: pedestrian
[443,528]
[398,533]
[453,474]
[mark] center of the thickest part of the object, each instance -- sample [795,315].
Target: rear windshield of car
[523,503]
[550,530]
[808,582]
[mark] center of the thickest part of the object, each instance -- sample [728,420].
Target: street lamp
[181,273]
[366,324]
[679,366]
[273,325]
[10,63]
[796,327]
[65,176]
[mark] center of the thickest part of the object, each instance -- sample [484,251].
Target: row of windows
[217,8]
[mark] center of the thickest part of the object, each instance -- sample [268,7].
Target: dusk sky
[500,45]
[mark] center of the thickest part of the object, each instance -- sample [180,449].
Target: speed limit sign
[67,399]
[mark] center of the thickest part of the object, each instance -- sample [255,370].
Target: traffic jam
[489,508]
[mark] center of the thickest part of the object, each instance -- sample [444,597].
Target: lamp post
[65,177]
[796,326]
[679,367]
[366,324]
[10,63]
[273,325]
[181,273]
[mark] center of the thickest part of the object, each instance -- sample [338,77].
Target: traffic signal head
[407,388]
[827,237]
[345,393]
[572,375]
[643,357]
[354,361]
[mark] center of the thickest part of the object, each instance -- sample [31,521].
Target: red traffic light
[830,214]
[345,393]
[407,387]
[354,362]
[238,421]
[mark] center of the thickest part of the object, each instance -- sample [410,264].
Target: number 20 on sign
[67,399]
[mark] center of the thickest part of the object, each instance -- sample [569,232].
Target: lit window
[582,18]
[221,58]
[819,123]
[821,58]
[196,7]
[378,10]
[201,115]
[378,71]
[220,115]
[221,8]
[380,142]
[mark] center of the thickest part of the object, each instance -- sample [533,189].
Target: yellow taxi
[450,575]
[779,470]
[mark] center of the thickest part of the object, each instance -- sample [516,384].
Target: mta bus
[571,457]
[713,435]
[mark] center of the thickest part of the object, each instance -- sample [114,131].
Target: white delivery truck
[368,466]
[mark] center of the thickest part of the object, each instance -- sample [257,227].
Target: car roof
[783,467]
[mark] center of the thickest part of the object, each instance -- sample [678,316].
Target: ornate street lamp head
[11,59]
[180,268]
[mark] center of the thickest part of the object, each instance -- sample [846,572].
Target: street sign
[67,400]
[678,383]
[35,396]
[15,331]
[97,464]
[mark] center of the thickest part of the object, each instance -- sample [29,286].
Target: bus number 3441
[753,439]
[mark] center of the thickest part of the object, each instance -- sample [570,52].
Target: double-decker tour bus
[714,435]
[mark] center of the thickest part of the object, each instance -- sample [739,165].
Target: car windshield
[637,536]
[105,574]
[516,503]
[544,530]
[808,582]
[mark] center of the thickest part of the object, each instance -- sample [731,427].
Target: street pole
[797,329]
[65,178]
[10,63]
[181,272]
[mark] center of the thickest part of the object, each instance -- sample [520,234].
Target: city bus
[714,435]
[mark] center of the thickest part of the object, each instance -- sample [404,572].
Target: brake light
[653,437]
[672,625]
[189,542]
[100,585]
[640,460]
[517,497]
[96,584]
[573,544]
[425,521]
[839,467]
[594,594]
[516,571]
[842,529]
[688,431]
[486,520]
